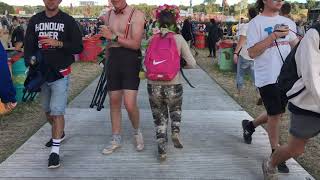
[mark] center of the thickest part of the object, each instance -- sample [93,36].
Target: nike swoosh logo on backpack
[158,62]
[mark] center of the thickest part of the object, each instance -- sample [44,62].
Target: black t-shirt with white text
[61,27]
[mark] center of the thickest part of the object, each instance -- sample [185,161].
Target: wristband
[236,54]
[114,38]
[274,35]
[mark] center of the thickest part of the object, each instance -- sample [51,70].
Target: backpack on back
[162,59]
[288,73]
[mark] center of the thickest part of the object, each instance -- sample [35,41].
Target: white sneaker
[138,139]
[269,173]
[111,148]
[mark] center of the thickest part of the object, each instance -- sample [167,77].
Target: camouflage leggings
[164,99]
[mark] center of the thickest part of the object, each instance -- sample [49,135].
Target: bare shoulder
[139,15]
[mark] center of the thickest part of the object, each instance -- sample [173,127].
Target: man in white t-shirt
[241,56]
[269,41]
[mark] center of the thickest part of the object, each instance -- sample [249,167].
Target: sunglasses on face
[277,1]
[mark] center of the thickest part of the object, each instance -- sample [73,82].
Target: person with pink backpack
[162,61]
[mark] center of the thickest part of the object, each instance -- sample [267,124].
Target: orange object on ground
[200,41]
[3,110]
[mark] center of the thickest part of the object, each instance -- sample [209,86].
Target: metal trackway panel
[211,133]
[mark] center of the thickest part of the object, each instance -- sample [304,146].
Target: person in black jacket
[17,35]
[213,37]
[57,37]
[188,35]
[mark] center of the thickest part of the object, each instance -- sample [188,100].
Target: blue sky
[102,2]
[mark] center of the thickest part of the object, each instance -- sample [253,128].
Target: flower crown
[173,9]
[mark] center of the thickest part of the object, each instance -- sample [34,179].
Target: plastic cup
[43,46]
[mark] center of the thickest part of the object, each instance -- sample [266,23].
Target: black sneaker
[283,168]
[247,133]
[54,161]
[49,143]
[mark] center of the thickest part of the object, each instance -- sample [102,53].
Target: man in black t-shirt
[17,35]
[53,36]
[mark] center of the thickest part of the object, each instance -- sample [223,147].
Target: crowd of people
[264,44]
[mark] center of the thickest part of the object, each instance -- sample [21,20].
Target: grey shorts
[305,127]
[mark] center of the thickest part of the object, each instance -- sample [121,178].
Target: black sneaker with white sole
[53,161]
[283,168]
[49,143]
[247,132]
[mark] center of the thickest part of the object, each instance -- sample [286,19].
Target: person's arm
[258,48]
[240,44]
[294,43]
[30,41]
[293,39]
[308,57]
[73,45]
[186,54]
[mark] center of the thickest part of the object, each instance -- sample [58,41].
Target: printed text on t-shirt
[50,29]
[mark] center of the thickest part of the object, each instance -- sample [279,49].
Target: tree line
[207,7]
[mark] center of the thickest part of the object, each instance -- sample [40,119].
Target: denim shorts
[54,96]
[244,66]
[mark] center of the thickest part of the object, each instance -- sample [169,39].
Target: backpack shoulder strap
[151,44]
[185,78]
[129,23]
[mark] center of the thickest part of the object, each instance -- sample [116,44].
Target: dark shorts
[304,126]
[271,97]
[123,67]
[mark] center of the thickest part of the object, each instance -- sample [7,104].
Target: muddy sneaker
[138,139]
[283,168]
[49,143]
[53,161]
[162,150]
[269,173]
[111,148]
[247,132]
[176,140]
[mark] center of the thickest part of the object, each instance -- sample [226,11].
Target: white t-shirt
[244,50]
[267,65]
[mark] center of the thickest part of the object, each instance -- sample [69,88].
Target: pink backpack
[162,59]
